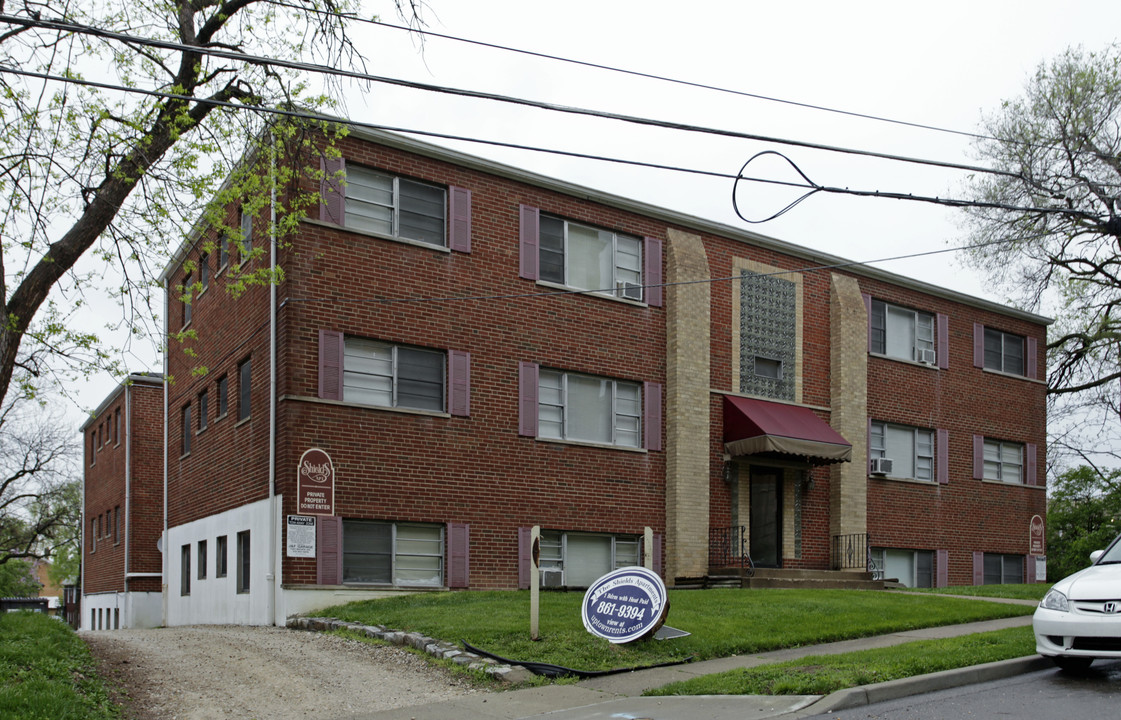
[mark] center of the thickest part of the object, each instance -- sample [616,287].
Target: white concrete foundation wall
[306,601]
[121,610]
[214,600]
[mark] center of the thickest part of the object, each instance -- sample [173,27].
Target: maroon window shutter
[459,543]
[527,399]
[978,568]
[1031,476]
[978,345]
[459,383]
[942,440]
[868,448]
[328,553]
[459,201]
[658,554]
[332,191]
[868,312]
[978,457]
[1029,570]
[943,570]
[523,558]
[1032,365]
[330,365]
[652,272]
[652,416]
[529,238]
[943,341]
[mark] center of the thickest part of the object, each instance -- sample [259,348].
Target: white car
[1079,618]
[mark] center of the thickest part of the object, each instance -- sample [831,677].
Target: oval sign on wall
[626,604]
[315,483]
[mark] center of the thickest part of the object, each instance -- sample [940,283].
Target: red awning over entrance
[757,426]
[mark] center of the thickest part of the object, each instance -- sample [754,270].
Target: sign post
[534,582]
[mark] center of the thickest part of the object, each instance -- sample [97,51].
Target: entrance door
[766,517]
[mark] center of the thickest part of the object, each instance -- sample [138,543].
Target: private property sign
[627,604]
[315,483]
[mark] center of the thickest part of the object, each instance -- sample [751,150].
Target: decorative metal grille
[768,325]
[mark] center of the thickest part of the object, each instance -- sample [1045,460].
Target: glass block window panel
[768,329]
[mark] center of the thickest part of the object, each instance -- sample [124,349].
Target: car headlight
[1055,600]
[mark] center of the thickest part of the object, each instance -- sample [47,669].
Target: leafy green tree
[94,176]
[17,579]
[1083,515]
[1055,238]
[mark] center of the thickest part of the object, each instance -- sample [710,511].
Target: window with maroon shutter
[459,544]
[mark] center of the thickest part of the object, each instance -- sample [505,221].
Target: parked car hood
[1097,582]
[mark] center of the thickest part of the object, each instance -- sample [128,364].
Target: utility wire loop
[814,187]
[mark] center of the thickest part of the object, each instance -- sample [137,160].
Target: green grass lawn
[723,622]
[47,673]
[823,674]
[1035,591]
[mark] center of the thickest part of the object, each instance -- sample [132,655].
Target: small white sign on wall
[301,536]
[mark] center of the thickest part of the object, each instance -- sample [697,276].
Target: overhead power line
[811,187]
[621,117]
[624,71]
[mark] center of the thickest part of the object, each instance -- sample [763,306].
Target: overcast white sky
[940,64]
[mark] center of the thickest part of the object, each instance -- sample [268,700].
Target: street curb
[919,684]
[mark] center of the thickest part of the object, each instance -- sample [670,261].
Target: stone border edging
[423,643]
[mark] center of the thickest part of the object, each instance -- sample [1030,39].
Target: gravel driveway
[226,671]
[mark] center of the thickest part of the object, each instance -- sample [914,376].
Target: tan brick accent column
[848,338]
[687,407]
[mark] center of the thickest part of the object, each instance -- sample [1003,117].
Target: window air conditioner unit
[927,356]
[629,290]
[881,466]
[551,577]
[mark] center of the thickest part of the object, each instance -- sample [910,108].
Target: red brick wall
[105,489]
[401,466]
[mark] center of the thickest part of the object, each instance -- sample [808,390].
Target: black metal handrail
[850,552]
[727,547]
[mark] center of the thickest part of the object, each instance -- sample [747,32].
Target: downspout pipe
[128,472]
[164,551]
[274,539]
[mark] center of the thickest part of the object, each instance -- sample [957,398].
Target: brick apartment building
[426,384]
[122,500]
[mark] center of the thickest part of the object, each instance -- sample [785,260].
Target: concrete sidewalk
[618,696]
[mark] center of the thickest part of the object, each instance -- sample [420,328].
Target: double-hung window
[1004,461]
[187,431]
[1004,352]
[394,206]
[188,291]
[573,559]
[584,257]
[400,554]
[378,373]
[912,568]
[910,449]
[902,333]
[1003,569]
[588,258]
[586,408]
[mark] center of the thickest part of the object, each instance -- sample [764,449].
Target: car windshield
[1112,555]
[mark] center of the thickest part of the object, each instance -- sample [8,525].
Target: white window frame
[923,463]
[1006,339]
[923,329]
[365,350]
[879,560]
[397,557]
[359,176]
[627,267]
[552,383]
[999,466]
[554,551]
